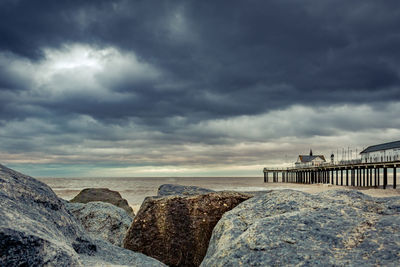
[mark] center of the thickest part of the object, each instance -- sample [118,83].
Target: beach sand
[136,189]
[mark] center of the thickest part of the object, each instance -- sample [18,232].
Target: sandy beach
[136,189]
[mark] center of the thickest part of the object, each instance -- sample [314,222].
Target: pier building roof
[385,146]
[307,158]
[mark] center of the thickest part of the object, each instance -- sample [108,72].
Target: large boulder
[334,228]
[102,220]
[105,195]
[36,229]
[176,189]
[176,229]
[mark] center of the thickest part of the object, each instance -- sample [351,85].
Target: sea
[135,189]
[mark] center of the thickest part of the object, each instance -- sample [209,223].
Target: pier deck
[354,173]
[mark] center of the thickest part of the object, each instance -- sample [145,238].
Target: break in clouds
[141,88]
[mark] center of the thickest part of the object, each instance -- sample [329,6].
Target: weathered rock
[176,189]
[334,228]
[176,229]
[105,195]
[36,229]
[102,220]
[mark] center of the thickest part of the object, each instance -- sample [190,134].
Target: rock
[176,189]
[176,229]
[36,229]
[334,228]
[102,220]
[104,195]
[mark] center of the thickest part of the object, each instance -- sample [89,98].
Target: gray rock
[102,220]
[104,195]
[176,189]
[334,228]
[36,229]
[176,229]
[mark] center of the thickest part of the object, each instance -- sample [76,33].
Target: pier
[351,173]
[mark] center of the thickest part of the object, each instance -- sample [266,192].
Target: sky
[193,88]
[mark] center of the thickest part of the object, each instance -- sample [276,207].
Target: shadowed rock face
[36,229]
[175,189]
[176,229]
[334,228]
[23,249]
[102,220]
[105,195]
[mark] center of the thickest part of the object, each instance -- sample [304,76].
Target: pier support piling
[358,177]
[370,177]
[363,177]
[384,177]
[341,177]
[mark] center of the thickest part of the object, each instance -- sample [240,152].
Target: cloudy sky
[193,88]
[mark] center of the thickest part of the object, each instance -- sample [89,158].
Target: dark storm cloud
[245,54]
[27,26]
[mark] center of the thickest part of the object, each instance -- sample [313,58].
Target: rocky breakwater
[36,229]
[104,195]
[291,228]
[176,229]
[102,220]
[190,190]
